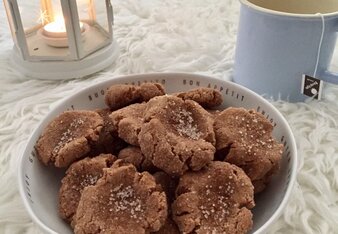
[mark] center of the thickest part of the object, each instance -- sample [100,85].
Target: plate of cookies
[159,153]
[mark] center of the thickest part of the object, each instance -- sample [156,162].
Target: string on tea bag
[320,43]
[312,86]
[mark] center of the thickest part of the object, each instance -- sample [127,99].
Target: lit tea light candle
[55,33]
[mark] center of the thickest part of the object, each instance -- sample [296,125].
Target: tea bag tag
[312,87]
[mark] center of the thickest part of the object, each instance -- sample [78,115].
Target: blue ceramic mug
[280,40]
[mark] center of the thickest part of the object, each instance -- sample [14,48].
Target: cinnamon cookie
[122,201]
[216,199]
[177,135]
[150,90]
[206,97]
[108,141]
[245,139]
[78,176]
[133,155]
[168,185]
[214,113]
[169,227]
[128,122]
[119,96]
[68,137]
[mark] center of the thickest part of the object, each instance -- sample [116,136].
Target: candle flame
[59,25]
[43,17]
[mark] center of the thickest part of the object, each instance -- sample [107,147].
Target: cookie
[150,90]
[108,141]
[122,201]
[169,227]
[128,121]
[213,113]
[206,97]
[244,138]
[168,185]
[68,137]
[119,96]
[78,176]
[216,199]
[177,135]
[133,155]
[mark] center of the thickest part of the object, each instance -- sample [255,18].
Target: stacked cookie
[181,167]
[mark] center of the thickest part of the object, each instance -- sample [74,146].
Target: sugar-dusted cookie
[177,135]
[244,138]
[78,176]
[123,201]
[216,199]
[68,137]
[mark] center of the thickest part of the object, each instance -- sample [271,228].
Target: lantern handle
[111,10]
[15,22]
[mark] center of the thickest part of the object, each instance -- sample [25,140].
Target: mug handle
[331,77]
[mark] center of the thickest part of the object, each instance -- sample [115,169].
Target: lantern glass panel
[30,13]
[100,16]
[44,29]
[94,14]
[10,17]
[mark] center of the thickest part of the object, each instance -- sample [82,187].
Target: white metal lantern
[60,39]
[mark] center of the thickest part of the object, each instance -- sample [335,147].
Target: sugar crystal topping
[124,199]
[217,203]
[253,137]
[89,179]
[67,136]
[185,124]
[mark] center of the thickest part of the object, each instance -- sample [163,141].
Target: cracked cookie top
[216,199]
[78,176]
[244,138]
[122,201]
[68,137]
[177,135]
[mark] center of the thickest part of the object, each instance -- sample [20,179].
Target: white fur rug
[173,35]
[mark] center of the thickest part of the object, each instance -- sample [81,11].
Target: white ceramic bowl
[39,185]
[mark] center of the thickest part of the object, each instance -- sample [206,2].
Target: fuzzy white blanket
[171,35]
